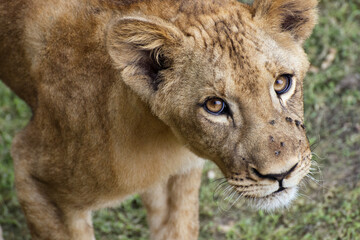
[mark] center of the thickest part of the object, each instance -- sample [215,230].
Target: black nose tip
[274,176]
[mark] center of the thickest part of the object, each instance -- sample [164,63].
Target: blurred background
[329,204]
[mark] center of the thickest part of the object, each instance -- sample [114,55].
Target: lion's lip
[279,190]
[282,197]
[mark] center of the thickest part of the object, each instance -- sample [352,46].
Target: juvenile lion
[128,97]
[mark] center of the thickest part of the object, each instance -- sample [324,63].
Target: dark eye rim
[223,109]
[289,78]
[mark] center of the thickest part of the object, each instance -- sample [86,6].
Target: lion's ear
[298,17]
[141,50]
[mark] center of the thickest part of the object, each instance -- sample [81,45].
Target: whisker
[314,172]
[218,180]
[312,178]
[305,196]
[238,198]
[227,189]
[315,144]
[220,185]
[304,182]
[223,204]
[317,156]
[219,192]
[219,189]
[231,195]
[319,183]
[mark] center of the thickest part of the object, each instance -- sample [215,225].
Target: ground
[327,208]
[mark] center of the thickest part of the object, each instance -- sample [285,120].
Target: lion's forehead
[240,52]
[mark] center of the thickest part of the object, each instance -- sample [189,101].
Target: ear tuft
[141,50]
[297,17]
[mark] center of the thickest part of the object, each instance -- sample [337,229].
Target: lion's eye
[215,106]
[283,84]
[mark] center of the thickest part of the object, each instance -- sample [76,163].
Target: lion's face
[230,87]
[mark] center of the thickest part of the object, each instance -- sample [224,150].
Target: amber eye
[215,106]
[283,84]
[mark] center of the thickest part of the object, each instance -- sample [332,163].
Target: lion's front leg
[173,207]
[45,218]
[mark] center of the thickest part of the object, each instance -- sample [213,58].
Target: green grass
[13,116]
[329,210]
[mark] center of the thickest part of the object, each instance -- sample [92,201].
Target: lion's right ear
[296,17]
[141,50]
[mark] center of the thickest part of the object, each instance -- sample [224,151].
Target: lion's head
[228,80]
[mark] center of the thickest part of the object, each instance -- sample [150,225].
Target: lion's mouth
[276,199]
[280,189]
[279,199]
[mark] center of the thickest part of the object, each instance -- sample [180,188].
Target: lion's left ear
[297,17]
[142,49]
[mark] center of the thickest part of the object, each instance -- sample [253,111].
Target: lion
[129,96]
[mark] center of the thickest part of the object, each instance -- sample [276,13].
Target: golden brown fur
[117,90]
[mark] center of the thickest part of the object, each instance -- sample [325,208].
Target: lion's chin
[274,201]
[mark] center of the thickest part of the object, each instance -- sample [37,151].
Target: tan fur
[117,90]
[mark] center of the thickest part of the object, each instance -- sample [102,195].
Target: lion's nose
[274,176]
